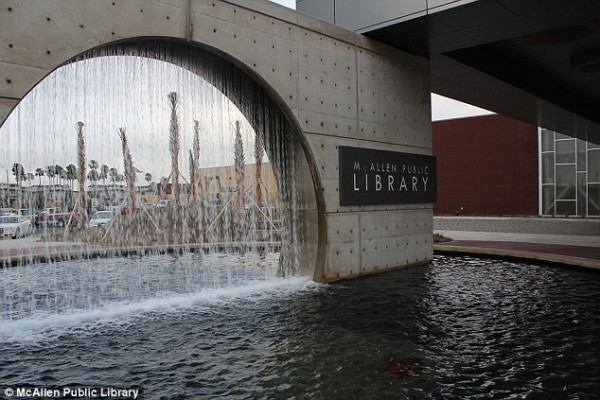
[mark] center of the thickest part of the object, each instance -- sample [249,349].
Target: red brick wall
[487,165]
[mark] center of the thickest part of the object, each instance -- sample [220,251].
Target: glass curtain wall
[569,176]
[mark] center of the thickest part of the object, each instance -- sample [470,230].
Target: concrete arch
[333,88]
[284,144]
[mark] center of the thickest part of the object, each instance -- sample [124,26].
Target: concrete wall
[338,88]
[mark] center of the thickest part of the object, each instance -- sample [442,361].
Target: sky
[287,3]
[443,108]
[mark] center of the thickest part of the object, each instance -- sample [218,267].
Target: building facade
[495,165]
[487,165]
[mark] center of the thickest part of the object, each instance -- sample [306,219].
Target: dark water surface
[227,328]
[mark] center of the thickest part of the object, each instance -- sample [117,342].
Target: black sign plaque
[371,177]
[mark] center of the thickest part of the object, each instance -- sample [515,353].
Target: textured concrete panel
[325,150]
[61,29]
[255,48]
[343,228]
[376,225]
[343,261]
[327,124]
[16,79]
[383,253]
[370,77]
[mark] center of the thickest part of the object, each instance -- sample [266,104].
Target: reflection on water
[197,326]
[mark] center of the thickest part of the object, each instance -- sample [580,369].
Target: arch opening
[274,123]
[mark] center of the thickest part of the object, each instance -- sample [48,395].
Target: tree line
[57,174]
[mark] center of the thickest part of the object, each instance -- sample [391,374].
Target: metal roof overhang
[534,60]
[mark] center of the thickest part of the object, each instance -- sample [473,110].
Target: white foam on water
[46,325]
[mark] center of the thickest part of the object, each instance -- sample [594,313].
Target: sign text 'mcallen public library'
[370,177]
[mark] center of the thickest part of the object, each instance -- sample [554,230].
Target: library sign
[371,177]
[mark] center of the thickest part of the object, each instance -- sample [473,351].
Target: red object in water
[401,369]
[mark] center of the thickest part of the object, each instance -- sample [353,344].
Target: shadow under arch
[298,185]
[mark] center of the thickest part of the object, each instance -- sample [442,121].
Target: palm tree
[104,170]
[113,174]
[59,171]
[174,144]
[19,173]
[148,177]
[71,174]
[240,168]
[93,165]
[129,173]
[39,172]
[50,173]
[258,155]
[93,176]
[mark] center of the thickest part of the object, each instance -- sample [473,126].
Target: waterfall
[127,86]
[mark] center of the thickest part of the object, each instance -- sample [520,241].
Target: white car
[101,218]
[15,226]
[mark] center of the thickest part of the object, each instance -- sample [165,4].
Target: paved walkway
[557,240]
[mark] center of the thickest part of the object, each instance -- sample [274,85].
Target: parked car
[15,226]
[101,218]
[52,216]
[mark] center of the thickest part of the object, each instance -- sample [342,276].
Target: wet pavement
[574,241]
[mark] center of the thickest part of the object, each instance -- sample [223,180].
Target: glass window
[547,140]
[581,155]
[548,200]
[594,199]
[581,194]
[560,136]
[566,208]
[593,145]
[548,168]
[565,182]
[594,166]
[565,152]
